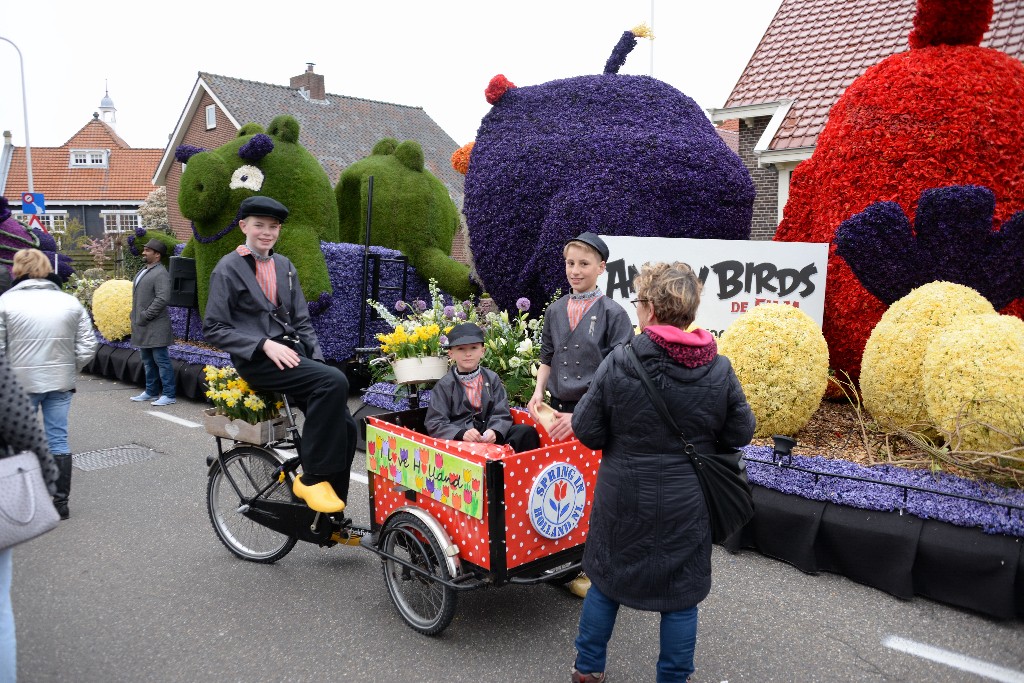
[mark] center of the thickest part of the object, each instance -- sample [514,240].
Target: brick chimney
[310,82]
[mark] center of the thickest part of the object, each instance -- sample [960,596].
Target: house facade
[95,177]
[336,129]
[811,52]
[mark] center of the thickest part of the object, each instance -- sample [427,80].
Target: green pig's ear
[385,146]
[410,154]
[250,129]
[284,127]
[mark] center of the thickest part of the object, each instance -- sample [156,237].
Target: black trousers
[329,434]
[522,438]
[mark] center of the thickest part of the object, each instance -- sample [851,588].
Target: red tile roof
[127,176]
[814,49]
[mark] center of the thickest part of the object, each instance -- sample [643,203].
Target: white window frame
[88,158]
[55,222]
[120,220]
[211,116]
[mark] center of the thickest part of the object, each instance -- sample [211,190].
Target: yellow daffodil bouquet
[234,398]
[421,328]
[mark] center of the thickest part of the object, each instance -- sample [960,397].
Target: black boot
[60,501]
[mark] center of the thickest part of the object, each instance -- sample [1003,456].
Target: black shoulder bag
[722,476]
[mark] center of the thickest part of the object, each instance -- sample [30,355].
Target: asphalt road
[136,587]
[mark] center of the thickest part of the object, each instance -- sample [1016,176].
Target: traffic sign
[32,203]
[34,222]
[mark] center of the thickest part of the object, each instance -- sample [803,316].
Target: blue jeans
[159,371]
[678,638]
[56,406]
[8,646]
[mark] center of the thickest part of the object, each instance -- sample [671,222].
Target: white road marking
[175,419]
[361,478]
[954,659]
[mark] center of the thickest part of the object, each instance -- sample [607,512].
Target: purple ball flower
[420,304]
[449,311]
[443,339]
[523,304]
[460,315]
[400,306]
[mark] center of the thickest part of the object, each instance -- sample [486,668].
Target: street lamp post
[24,109]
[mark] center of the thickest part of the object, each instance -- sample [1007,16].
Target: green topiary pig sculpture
[272,164]
[412,212]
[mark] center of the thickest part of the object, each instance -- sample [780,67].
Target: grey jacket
[649,545]
[450,414]
[46,334]
[151,323]
[574,355]
[239,317]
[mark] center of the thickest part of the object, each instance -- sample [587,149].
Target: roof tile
[814,49]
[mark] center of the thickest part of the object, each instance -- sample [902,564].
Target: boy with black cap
[470,403]
[257,313]
[580,329]
[151,325]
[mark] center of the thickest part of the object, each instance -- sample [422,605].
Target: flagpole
[24,110]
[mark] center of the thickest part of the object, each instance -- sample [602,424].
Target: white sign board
[737,274]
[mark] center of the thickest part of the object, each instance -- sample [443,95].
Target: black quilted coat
[649,545]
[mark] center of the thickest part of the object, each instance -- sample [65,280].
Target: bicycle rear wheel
[426,604]
[252,469]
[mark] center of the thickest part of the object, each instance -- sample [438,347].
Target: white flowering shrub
[973,382]
[781,359]
[890,376]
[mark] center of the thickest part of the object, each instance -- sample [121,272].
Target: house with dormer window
[95,177]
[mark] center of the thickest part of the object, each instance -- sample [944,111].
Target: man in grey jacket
[47,337]
[151,325]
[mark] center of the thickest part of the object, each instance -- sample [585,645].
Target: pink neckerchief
[689,349]
[266,272]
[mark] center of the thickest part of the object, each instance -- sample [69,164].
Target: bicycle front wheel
[252,469]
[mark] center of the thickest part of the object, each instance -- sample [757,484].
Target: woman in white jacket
[47,337]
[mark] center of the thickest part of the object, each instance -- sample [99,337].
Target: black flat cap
[465,333]
[262,206]
[592,240]
[157,246]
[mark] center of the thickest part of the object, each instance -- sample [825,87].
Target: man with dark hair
[151,325]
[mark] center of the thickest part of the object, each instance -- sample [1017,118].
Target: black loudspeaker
[183,283]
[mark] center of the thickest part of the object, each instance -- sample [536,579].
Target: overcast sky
[436,55]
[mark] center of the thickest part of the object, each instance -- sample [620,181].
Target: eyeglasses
[638,301]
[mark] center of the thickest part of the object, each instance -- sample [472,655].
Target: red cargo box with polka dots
[513,516]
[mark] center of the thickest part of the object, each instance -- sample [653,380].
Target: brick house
[808,56]
[95,177]
[336,129]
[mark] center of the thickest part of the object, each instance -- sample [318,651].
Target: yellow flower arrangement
[413,339]
[891,379]
[781,359]
[233,397]
[112,309]
[973,382]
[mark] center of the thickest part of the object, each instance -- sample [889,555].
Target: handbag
[722,476]
[26,508]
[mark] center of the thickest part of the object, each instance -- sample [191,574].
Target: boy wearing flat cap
[470,403]
[580,329]
[257,313]
[151,325]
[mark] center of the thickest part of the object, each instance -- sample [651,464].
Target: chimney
[311,82]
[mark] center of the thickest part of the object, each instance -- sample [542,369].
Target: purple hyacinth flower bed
[382,395]
[993,517]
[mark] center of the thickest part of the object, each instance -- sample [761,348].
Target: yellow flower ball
[973,380]
[890,375]
[112,309]
[781,359]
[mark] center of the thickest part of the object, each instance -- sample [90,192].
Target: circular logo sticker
[557,500]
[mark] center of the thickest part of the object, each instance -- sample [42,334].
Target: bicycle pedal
[344,538]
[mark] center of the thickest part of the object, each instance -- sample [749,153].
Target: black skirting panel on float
[125,365]
[902,555]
